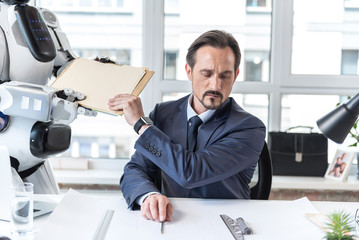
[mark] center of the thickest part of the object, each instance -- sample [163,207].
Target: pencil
[162,223]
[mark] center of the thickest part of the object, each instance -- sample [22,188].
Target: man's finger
[145,211]
[154,208]
[169,212]
[162,205]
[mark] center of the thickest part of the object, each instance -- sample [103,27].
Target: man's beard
[212,105]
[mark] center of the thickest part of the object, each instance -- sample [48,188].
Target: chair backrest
[262,188]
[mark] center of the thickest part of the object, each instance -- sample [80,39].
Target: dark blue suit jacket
[221,166]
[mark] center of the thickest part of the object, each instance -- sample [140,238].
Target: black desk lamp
[337,124]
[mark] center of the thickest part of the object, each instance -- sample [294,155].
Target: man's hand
[157,207]
[129,104]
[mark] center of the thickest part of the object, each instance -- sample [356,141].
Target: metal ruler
[237,227]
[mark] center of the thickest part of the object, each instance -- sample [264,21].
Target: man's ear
[235,77]
[189,72]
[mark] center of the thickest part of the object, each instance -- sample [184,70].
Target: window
[256,66]
[305,110]
[104,3]
[92,35]
[85,3]
[119,3]
[350,62]
[351,4]
[298,57]
[321,36]
[256,3]
[170,64]
[89,6]
[180,29]
[256,104]
[254,6]
[252,32]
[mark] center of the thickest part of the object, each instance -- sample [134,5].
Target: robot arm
[32,39]
[41,103]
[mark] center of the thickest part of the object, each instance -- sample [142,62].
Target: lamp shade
[337,124]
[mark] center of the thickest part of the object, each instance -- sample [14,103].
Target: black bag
[298,154]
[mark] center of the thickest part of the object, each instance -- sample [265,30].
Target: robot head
[14,2]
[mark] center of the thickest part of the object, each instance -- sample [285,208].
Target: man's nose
[215,82]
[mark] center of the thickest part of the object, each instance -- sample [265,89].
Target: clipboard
[101,81]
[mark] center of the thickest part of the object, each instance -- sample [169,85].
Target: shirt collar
[190,112]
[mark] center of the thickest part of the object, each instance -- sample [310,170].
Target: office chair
[261,189]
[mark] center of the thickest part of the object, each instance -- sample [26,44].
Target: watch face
[147,120]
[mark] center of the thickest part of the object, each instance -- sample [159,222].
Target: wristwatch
[142,121]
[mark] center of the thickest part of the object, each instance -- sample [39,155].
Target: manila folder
[101,81]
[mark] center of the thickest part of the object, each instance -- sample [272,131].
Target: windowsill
[99,172]
[314,183]
[112,177]
[90,176]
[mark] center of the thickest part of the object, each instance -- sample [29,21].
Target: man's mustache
[212,93]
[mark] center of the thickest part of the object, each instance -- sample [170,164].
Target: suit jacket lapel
[179,125]
[208,128]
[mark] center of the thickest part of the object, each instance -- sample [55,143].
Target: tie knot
[194,122]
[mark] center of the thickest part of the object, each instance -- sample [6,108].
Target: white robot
[34,118]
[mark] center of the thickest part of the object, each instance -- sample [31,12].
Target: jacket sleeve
[138,179]
[234,151]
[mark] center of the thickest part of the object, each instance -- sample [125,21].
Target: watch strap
[142,121]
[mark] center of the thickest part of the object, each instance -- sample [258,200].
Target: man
[228,143]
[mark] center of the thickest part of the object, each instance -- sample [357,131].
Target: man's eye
[225,76]
[206,74]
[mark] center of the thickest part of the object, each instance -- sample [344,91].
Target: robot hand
[66,107]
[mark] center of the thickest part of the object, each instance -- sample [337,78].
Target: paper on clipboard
[101,81]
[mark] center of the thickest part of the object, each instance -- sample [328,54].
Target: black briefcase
[298,154]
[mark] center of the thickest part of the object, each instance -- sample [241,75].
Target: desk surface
[199,218]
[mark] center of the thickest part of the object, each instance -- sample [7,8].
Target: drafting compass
[237,227]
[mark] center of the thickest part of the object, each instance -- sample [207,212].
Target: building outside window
[257,3]
[256,66]
[170,62]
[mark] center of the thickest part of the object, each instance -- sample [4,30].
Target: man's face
[212,77]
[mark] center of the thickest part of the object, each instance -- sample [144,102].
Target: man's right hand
[157,207]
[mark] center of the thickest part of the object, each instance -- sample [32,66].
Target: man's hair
[216,39]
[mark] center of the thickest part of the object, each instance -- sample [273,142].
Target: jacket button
[158,154]
[150,149]
[154,151]
[147,146]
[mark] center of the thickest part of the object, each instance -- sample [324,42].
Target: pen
[162,223]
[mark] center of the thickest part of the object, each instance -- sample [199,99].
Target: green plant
[339,226]
[354,133]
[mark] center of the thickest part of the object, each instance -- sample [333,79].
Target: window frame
[281,81]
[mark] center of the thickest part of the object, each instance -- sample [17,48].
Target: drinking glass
[22,209]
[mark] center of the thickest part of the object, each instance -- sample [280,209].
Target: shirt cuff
[140,199]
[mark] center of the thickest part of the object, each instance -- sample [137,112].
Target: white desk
[199,218]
